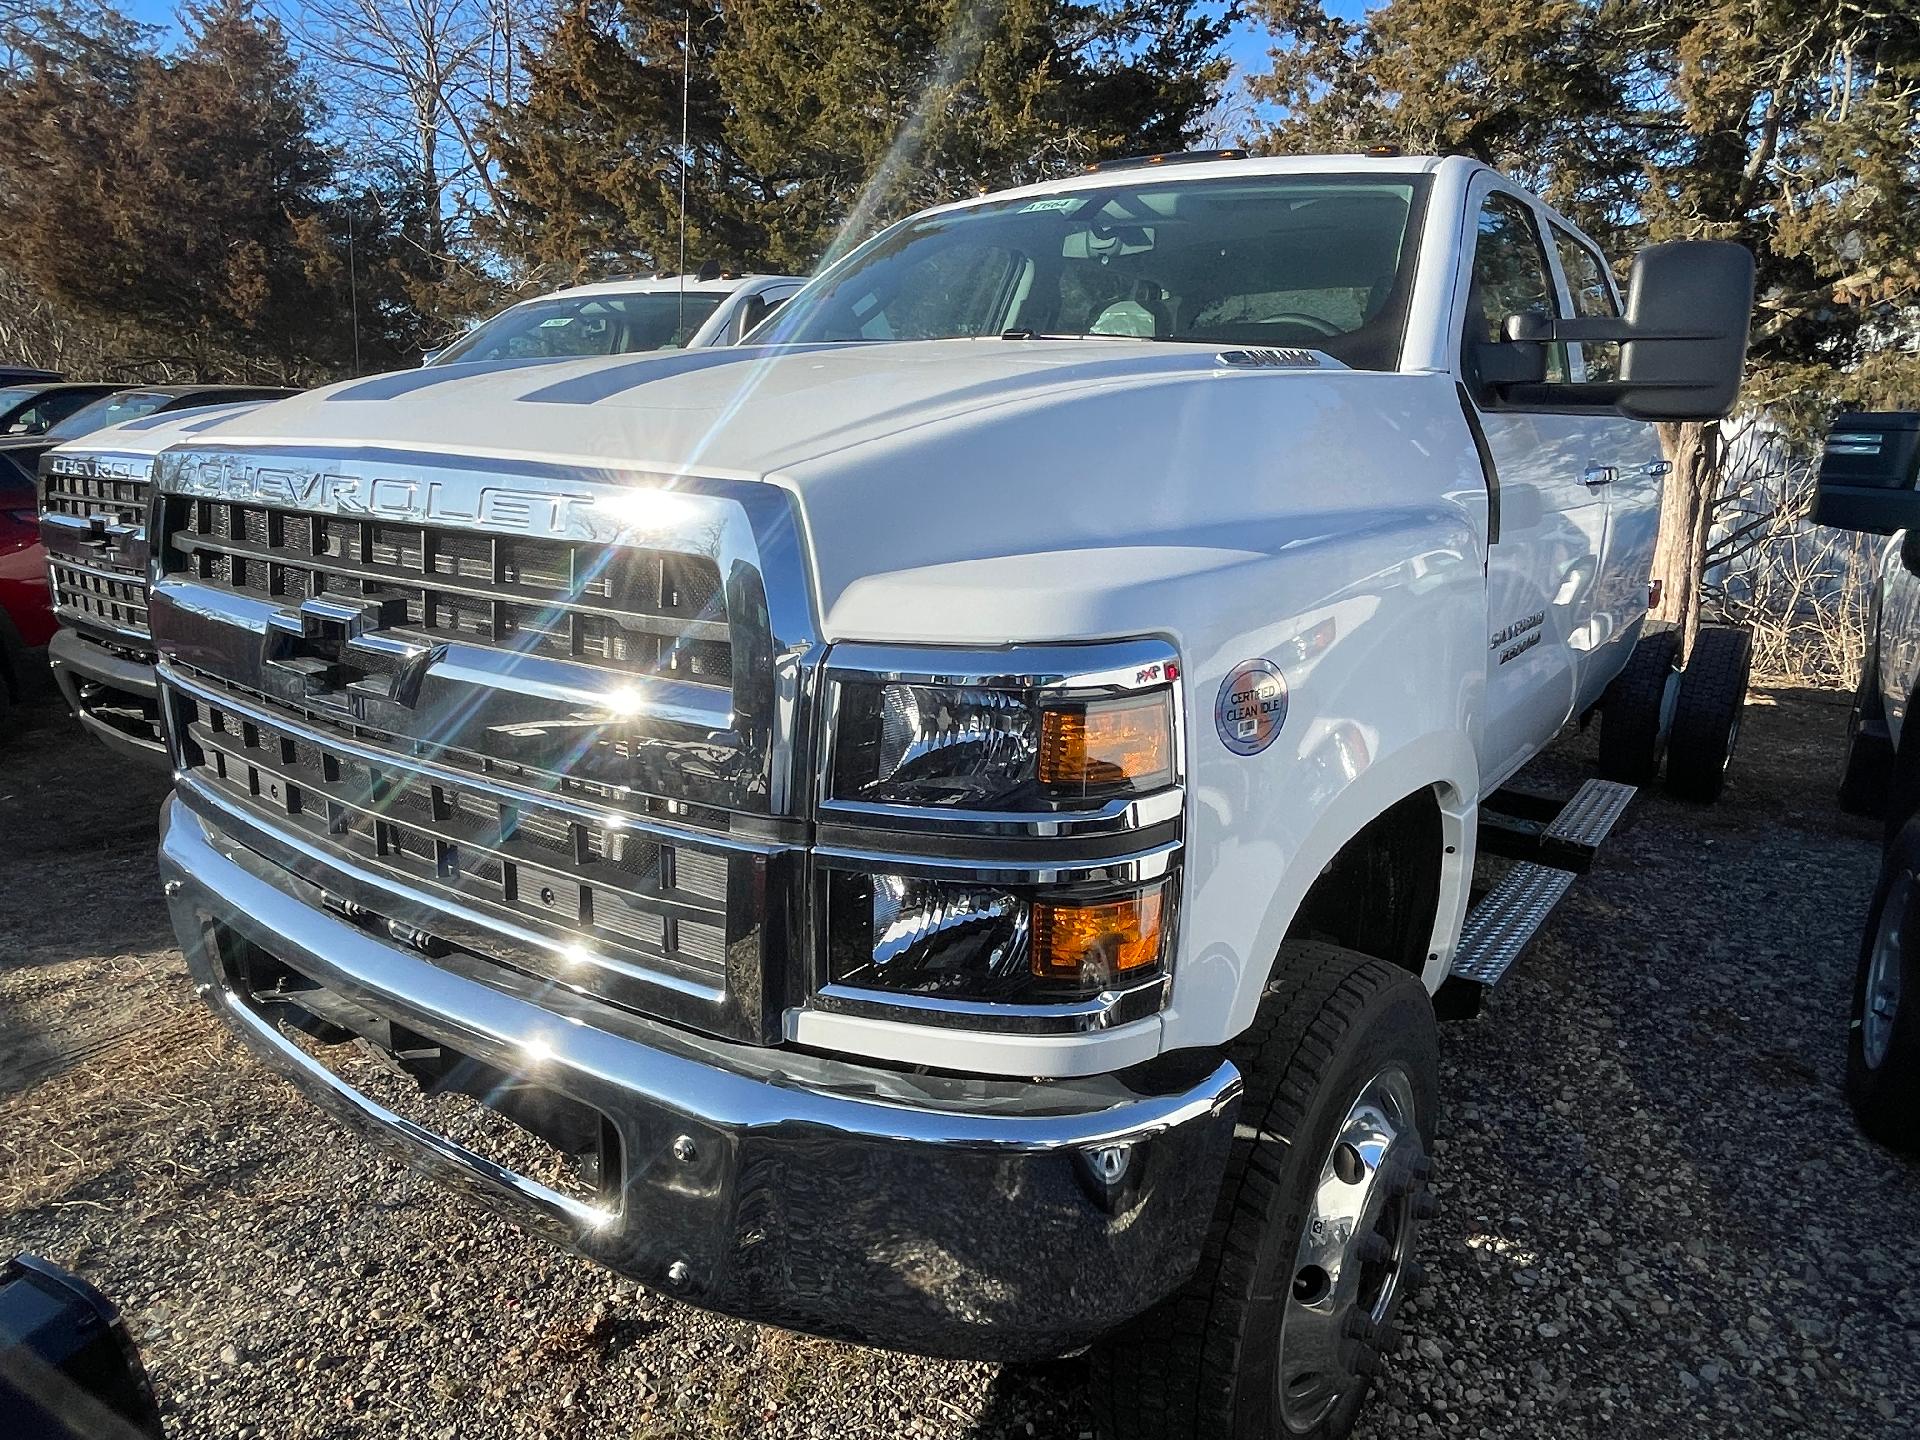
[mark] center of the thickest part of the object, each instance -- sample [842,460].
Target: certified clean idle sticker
[1251,707]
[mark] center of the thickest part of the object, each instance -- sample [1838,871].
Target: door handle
[1594,476]
[1657,468]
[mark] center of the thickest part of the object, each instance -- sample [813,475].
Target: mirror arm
[1593,329]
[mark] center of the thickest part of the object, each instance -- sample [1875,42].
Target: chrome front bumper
[952,1216]
[95,681]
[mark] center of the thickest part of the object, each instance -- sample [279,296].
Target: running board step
[1506,920]
[1541,829]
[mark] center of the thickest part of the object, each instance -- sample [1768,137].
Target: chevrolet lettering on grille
[566,514]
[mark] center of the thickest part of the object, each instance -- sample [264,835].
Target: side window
[34,419]
[49,410]
[1592,295]
[1510,277]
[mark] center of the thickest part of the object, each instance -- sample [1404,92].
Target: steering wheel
[1310,322]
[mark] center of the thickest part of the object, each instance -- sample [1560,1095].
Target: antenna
[353,292]
[686,106]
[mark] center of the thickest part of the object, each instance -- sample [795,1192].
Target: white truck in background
[627,316]
[946,826]
[92,495]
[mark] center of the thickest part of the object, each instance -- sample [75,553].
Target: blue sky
[1248,45]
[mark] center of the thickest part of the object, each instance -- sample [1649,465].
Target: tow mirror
[1683,340]
[1870,473]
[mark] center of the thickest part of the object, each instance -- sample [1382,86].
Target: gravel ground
[1656,1215]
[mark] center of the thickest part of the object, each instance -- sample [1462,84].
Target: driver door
[1543,560]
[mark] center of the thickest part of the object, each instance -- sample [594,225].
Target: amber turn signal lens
[1098,943]
[1107,744]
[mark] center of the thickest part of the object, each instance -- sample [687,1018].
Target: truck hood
[745,412]
[151,434]
[959,491]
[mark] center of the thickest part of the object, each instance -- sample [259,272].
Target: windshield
[1317,261]
[587,325]
[109,410]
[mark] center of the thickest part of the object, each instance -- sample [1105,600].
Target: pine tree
[807,120]
[1791,127]
[187,207]
[591,159]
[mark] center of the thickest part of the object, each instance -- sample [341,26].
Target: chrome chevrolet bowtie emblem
[108,532]
[333,649]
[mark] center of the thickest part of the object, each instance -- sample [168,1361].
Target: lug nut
[1373,1250]
[1386,1339]
[1422,1169]
[684,1150]
[678,1274]
[1357,1326]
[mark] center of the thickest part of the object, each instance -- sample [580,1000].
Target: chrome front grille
[93,521]
[110,597]
[624,609]
[606,897]
[89,485]
[542,715]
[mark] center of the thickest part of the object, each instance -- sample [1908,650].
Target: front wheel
[1292,1311]
[1883,1041]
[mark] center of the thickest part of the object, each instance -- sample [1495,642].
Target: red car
[26,605]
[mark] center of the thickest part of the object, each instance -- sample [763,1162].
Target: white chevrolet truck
[943,828]
[93,499]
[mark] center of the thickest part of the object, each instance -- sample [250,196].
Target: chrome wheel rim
[1355,1256]
[1880,1006]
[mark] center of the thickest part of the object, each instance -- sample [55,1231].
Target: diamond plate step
[1507,917]
[1587,818]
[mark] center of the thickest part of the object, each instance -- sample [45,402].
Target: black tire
[1632,709]
[1883,1039]
[1706,716]
[1206,1364]
[1866,778]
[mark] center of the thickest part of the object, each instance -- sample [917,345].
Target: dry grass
[61,1134]
[1803,589]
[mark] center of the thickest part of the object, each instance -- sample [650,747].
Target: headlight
[963,940]
[1000,828]
[978,748]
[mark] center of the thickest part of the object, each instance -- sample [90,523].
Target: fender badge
[1251,706]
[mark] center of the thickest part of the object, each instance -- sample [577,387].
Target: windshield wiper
[1018,334]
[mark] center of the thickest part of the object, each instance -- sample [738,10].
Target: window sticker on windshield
[1062,202]
[556,320]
